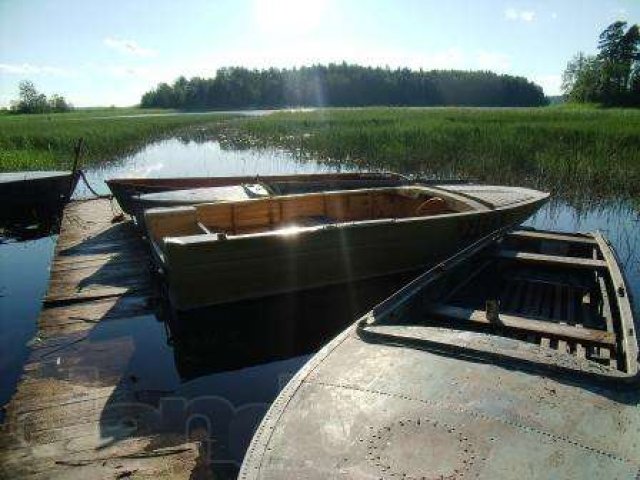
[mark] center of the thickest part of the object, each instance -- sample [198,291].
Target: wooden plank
[606,353]
[550,260]
[73,293]
[84,315]
[530,298]
[55,422]
[571,319]
[586,315]
[514,299]
[558,314]
[125,257]
[629,342]
[464,283]
[559,237]
[527,325]
[528,306]
[544,311]
[546,279]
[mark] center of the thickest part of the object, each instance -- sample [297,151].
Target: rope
[86,182]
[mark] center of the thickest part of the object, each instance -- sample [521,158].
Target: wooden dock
[79,410]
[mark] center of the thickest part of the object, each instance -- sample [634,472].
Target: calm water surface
[179,158]
[24,274]
[237,371]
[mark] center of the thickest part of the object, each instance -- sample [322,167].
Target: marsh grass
[36,142]
[582,151]
[588,151]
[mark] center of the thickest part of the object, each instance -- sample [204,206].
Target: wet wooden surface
[77,409]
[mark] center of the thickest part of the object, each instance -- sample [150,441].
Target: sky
[101,53]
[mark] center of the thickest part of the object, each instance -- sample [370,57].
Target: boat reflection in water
[234,359]
[25,194]
[243,334]
[27,243]
[30,224]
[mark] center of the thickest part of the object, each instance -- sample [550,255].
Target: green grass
[587,150]
[37,142]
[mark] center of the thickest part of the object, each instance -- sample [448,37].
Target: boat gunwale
[25,176]
[128,187]
[623,302]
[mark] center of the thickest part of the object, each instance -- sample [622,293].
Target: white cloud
[129,47]
[29,69]
[523,15]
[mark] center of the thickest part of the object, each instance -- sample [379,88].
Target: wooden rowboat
[26,192]
[136,194]
[515,359]
[230,251]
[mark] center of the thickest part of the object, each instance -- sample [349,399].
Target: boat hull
[31,193]
[360,410]
[202,272]
[401,394]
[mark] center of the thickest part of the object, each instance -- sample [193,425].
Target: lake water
[253,364]
[179,158]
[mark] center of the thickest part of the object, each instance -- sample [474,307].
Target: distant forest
[343,85]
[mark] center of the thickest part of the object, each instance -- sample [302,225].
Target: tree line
[612,76]
[344,85]
[32,101]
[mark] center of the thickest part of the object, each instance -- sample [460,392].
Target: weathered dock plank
[79,410]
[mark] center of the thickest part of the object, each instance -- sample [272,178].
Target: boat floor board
[68,417]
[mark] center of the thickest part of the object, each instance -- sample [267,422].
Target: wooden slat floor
[77,409]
